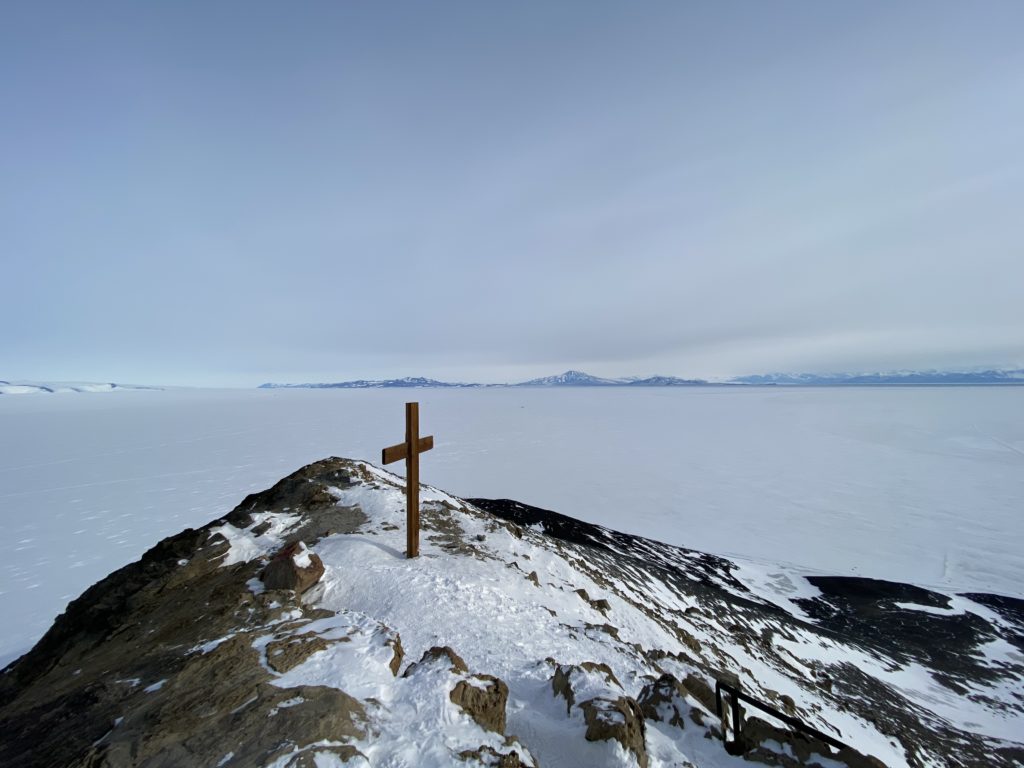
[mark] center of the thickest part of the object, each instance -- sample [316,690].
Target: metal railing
[736,695]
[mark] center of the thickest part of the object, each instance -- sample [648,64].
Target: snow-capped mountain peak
[571,378]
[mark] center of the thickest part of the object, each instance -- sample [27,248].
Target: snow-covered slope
[517,631]
[571,379]
[50,387]
[408,382]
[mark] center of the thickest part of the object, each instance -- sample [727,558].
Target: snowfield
[922,485]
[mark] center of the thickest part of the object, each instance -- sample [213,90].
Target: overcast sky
[232,193]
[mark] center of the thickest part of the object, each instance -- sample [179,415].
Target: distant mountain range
[567,379]
[580,379]
[884,379]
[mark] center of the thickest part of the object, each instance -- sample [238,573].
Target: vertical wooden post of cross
[410,450]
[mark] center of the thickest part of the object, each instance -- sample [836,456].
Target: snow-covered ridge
[906,377]
[567,379]
[51,387]
[518,630]
[573,378]
[403,383]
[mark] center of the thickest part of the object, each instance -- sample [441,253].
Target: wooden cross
[410,450]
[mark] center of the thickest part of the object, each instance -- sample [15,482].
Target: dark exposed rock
[688,640]
[171,703]
[872,613]
[788,705]
[601,605]
[608,629]
[173,731]
[492,758]
[701,691]
[287,653]
[663,700]
[483,698]
[399,653]
[705,568]
[438,654]
[602,669]
[293,567]
[619,719]
[561,680]
[798,749]
[308,757]
[561,686]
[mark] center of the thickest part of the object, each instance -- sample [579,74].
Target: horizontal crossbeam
[399,452]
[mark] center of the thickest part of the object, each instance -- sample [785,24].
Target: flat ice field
[924,485]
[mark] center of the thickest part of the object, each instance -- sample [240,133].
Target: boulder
[663,700]
[293,567]
[762,739]
[492,758]
[561,686]
[483,698]
[562,679]
[435,654]
[398,652]
[701,691]
[619,719]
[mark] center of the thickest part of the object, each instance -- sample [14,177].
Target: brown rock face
[483,698]
[454,661]
[701,691]
[137,649]
[801,749]
[289,652]
[561,681]
[619,719]
[561,686]
[399,653]
[491,757]
[288,569]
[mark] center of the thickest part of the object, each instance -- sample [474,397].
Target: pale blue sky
[229,193]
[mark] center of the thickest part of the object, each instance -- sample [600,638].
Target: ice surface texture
[914,485]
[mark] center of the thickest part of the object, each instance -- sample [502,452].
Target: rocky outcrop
[799,750]
[492,758]
[664,701]
[700,690]
[483,698]
[294,568]
[287,653]
[608,714]
[156,664]
[567,677]
[236,644]
[619,719]
[438,654]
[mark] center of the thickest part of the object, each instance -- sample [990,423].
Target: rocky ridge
[293,632]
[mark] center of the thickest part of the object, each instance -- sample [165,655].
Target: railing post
[737,722]
[737,746]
